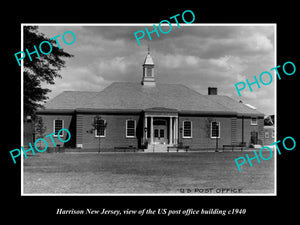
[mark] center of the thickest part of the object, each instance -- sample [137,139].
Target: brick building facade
[151,116]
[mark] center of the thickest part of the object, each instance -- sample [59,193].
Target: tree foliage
[39,127]
[41,69]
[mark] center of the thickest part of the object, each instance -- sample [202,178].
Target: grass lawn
[144,173]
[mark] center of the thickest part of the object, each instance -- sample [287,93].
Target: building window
[187,129]
[215,130]
[156,133]
[57,126]
[149,72]
[159,122]
[266,134]
[253,120]
[100,127]
[130,128]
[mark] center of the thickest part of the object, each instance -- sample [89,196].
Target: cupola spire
[148,71]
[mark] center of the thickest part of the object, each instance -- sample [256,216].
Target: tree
[269,121]
[39,128]
[208,130]
[41,69]
[98,125]
[207,126]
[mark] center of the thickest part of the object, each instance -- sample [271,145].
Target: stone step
[156,148]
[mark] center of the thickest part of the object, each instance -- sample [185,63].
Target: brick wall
[115,133]
[80,126]
[248,128]
[69,122]
[201,137]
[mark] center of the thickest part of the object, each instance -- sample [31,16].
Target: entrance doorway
[254,137]
[160,135]
[160,131]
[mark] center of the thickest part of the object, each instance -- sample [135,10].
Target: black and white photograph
[149,111]
[159,115]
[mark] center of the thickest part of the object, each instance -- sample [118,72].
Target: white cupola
[148,71]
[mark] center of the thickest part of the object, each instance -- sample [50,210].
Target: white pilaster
[145,127]
[151,130]
[176,130]
[173,128]
[170,129]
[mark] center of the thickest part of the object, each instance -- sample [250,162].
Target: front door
[254,137]
[160,131]
[160,135]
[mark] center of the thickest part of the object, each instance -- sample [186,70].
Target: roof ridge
[79,91]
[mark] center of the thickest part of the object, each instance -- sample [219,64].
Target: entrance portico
[161,126]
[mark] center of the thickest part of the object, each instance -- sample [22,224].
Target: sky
[195,55]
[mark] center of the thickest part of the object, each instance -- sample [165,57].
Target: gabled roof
[134,96]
